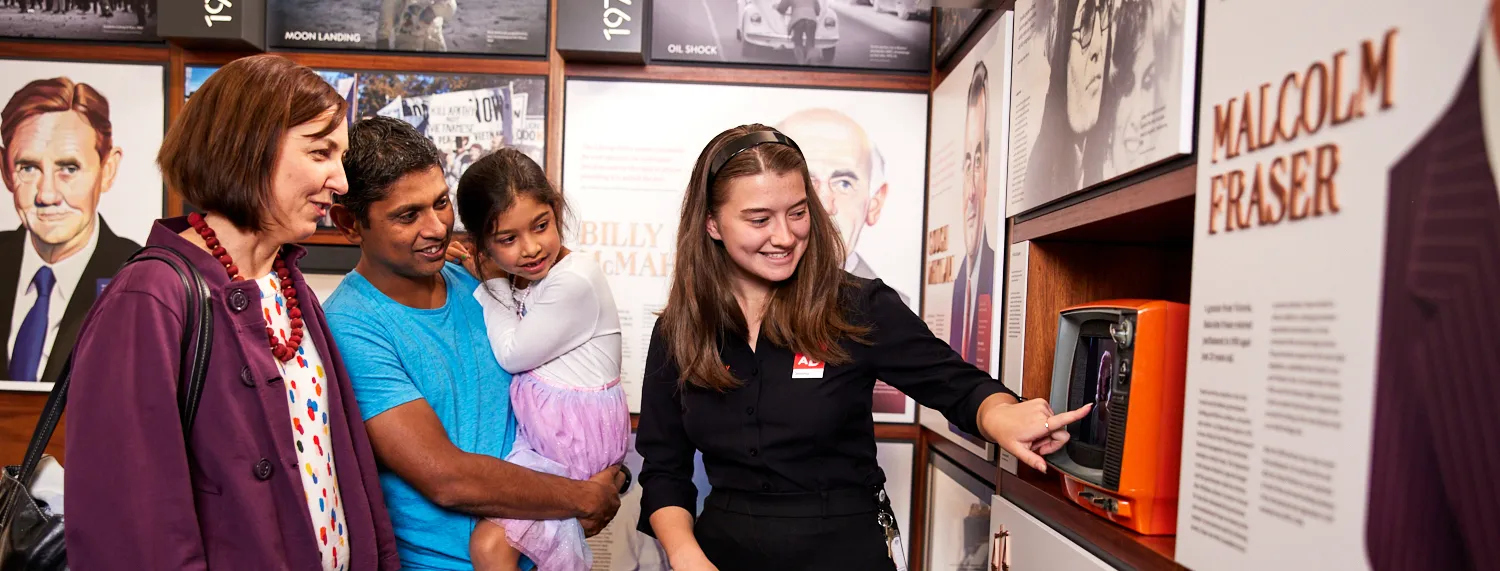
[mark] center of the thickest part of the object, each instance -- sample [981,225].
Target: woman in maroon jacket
[280,475]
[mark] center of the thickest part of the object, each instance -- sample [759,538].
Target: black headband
[744,143]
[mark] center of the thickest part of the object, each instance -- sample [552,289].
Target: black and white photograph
[78,142]
[952,25]
[108,20]
[958,517]
[855,34]
[466,115]
[1102,88]
[500,27]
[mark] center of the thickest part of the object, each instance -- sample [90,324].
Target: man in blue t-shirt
[435,401]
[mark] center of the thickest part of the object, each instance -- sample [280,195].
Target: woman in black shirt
[765,359]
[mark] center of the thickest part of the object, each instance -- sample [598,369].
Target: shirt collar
[851,262]
[67,272]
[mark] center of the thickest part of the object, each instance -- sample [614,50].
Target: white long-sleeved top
[570,334]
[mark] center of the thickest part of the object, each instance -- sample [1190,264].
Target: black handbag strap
[197,338]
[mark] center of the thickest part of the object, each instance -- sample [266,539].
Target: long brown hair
[803,313]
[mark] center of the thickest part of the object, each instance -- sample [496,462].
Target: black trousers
[757,532]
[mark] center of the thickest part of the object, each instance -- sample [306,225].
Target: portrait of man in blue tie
[59,155]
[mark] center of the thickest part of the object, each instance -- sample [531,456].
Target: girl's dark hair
[804,313]
[491,186]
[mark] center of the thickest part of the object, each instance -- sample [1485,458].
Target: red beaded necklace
[283,351]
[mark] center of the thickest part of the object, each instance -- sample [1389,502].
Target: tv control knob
[1123,332]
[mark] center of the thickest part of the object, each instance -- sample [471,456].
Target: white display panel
[630,148]
[1343,267]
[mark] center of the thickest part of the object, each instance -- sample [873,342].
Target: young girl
[552,321]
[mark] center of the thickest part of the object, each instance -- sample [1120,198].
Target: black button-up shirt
[803,432]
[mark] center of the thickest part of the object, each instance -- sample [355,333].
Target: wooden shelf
[1042,496]
[20,411]
[907,432]
[54,50]
[1155,206]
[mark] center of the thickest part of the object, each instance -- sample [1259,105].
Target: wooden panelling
[18,415]
[1064,274]
[1153,209]
[176,97]
[907,432]
[916,539]
[327,238]
[554,142]
[1042,496]
[376,61]
[754,76]
[81,51]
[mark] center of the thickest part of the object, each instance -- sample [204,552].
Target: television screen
[1092,381]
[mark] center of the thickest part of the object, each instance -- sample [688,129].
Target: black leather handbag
[31,538]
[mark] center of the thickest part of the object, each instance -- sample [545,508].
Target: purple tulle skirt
[568,432]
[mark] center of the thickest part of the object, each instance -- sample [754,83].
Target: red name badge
[804,367]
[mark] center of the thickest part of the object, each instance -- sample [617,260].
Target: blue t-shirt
[397,354]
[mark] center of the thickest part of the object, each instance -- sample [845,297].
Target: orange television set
[1128,357]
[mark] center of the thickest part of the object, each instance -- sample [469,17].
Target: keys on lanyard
[887,519]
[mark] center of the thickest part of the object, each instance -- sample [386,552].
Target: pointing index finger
[1070,417]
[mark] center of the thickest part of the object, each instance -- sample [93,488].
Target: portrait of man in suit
[1433,451]
[974,284]
[59,156]
[848,172]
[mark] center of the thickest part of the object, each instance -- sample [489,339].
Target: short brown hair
[804,314]
[222,149]
[56,95]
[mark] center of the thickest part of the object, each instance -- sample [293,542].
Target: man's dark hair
[381,151]
[979,90]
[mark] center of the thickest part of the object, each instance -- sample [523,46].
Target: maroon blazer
[135,501]
[1436,450]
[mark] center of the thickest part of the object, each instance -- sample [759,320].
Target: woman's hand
[1027,429]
